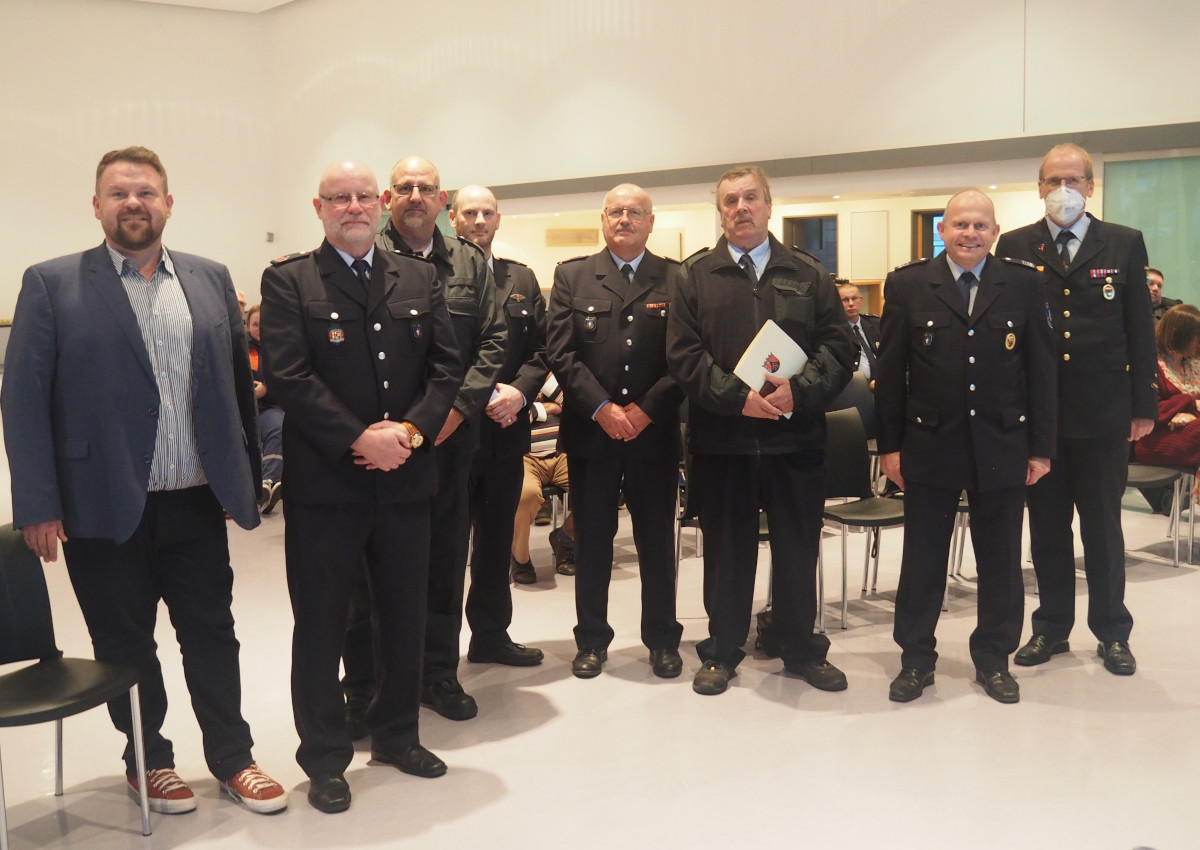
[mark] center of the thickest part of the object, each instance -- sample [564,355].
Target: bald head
[968,227]
[475,216]
[348,205]
[627,220]
[414,199]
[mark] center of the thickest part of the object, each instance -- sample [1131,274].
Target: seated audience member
[270,420]
[1175,440]
[543,465]
[1158,304]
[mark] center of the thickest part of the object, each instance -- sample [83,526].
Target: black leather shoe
[909,684]
[712,678]
[545,514]
[564,552]
[820,674]
[413,759]
[1117,657]
[448,699]
[512,654]
[1039,650]
[999,685]
[523,573]
[329,793]
[666,663]
[588,663]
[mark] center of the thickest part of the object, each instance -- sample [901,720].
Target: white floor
[1086,760]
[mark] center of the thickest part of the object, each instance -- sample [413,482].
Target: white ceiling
[251,6]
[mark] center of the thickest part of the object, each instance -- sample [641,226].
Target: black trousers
[730,491]
[929,514]
[1088,476]
[650,486]
[328,550]
[179,554]
[495,491]
[447,574]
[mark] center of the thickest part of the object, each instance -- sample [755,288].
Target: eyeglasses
[615,214]
[406,189]
[846,299]
[1072,182]
[344,199]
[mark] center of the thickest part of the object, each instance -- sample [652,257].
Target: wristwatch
[415,438]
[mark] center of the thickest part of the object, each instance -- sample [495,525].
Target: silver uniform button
[971,332]
[524,312]
[629,318]
[591,309]
[624,391]
[378,326]
[413,313]
[972,412]
[971,359]
[929,324]
[385,385]
[386,415]
[382,356]
[1010,324]
[629,342]
[333,315]
[972,388]
[1021,418]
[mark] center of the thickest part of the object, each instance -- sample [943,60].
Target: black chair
[849,476]
[557,497]
[54,687]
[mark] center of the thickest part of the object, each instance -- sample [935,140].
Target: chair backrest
[857,394]
[26,627]
[847,462]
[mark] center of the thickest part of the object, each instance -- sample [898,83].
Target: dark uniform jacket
[342,359]
[966,401]
[524,311]
[478,326]
[716,315]
[1103,330]
[606,339]
[1164,304]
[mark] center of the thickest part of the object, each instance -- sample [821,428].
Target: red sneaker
[168,794]
[256,791]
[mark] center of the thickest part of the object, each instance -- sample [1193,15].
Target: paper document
[772,352]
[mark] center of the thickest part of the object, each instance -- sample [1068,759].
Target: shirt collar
[758,255]
[957,270]
[119,260]
[635,262]
[1079,228]
[369,256]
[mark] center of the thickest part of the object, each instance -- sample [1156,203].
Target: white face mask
[1064,205]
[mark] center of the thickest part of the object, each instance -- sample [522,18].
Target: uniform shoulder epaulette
[466,241]
[287,258]
[697,254]
[1018,262]
[673,261]
[808,254]
[911,263]
[512,262]
[574,259]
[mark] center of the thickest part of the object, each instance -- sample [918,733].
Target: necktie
[1064,240]
[964,286]
[627,270]
[866,349]
[748,264]
[363,270]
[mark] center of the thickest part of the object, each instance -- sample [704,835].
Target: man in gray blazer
[129,422]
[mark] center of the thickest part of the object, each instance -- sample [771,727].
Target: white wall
[247,109]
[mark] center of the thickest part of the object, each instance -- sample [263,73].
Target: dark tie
[627,270]
[865,346]
[363,270]
[748,264]
[1064,240]
[964,286]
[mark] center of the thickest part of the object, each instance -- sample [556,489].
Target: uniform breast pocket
[333,328]
[593,319]
[412,323]
[1107,290]
[460,303]
[1008,329]
[926,329]
[519,318]
[795,306]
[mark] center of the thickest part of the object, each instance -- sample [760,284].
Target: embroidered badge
[418,330]
[1010,342]
[927,339]
[1109,292]
[771,364]
[589,322]
[336,335]
[516,296]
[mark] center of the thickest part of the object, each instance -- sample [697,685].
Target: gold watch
[415,438]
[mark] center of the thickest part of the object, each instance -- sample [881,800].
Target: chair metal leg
[1176,504]
[58,758]
[873,548]
[139,756]
[845,599]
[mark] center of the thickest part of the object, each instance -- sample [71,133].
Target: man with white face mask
[1095,274]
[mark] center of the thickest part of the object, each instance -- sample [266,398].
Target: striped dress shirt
[165,321]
